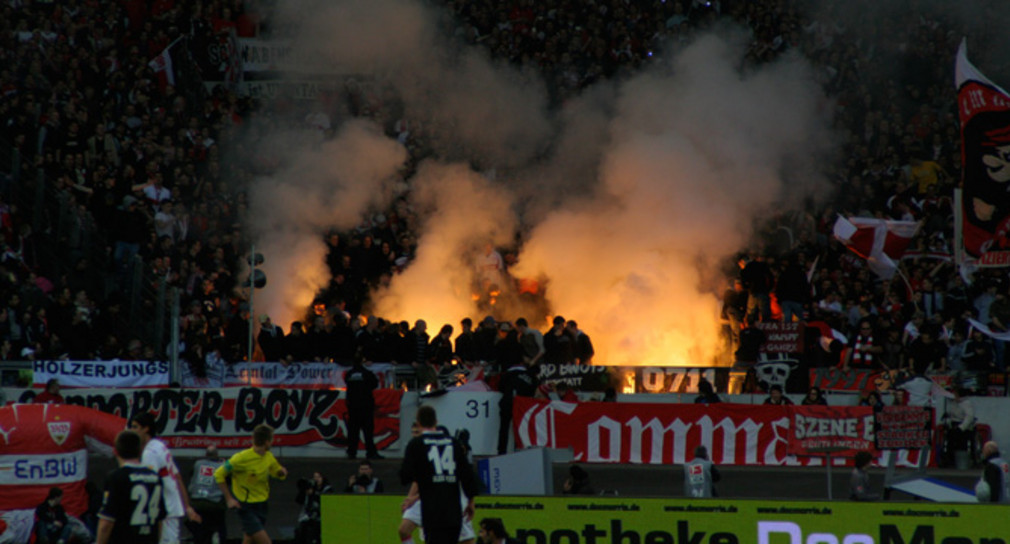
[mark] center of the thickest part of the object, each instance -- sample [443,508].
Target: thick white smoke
[697,153]
[328,184]
[464,212]
[627,198]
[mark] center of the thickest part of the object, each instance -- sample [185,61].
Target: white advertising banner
[102,373]
[301,375]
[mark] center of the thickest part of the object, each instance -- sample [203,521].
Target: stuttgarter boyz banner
[735,434]
[984,110]
[372,519]
[197,418]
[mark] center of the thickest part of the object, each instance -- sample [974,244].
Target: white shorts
[413,515]
[170,531]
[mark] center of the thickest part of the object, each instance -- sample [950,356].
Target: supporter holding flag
[881,242]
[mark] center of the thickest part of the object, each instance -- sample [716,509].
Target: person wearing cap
[51,395]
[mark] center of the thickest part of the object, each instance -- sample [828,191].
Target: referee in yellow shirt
[250,472]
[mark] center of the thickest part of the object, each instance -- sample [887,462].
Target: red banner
[835,379]
[197,418]
[609,432]
[835,430]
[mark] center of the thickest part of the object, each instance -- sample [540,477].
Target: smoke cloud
[697,153]
[627,199]
[328,184]
[464,212]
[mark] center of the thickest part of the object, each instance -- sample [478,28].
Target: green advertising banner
[373,519]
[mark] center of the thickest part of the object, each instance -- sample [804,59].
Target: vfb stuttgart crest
[59,431]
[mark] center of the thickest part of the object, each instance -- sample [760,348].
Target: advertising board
[618,520]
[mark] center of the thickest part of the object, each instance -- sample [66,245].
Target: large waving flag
[982,228]
[881,242]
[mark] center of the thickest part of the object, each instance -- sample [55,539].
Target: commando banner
[735,434]
[373,519]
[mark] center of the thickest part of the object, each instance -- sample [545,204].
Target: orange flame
[629,383]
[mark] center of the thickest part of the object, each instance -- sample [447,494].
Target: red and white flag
[162,66]
[881,242]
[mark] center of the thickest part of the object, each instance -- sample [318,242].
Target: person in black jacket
[792,290]
[466,342]
[757,278]
[517,380]
[361,382]
[52,524]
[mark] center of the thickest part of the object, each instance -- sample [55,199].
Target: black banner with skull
[984,110]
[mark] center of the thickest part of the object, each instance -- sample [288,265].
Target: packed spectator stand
[116,188]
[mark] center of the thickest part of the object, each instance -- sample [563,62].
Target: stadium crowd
[114,184]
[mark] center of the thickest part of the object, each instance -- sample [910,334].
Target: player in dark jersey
[132,507]
[439,467]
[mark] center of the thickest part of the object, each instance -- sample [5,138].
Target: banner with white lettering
[577,377]
[664,379]
[102,373]
[624,432]
[301,375]
[309,421]
[904,427]
[782,337]
[835,430]
[46,445]
[289,89]
[260,55]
